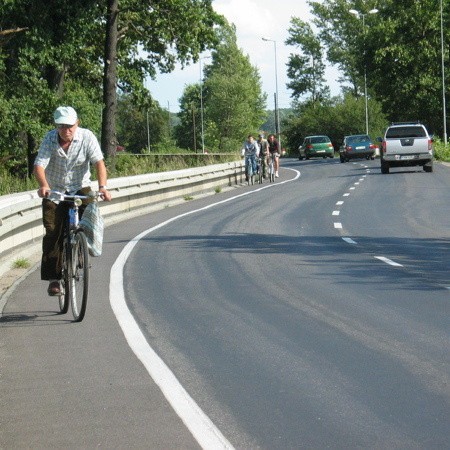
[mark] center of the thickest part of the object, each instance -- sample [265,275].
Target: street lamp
[358,14]
[201,101]
[277,114]
[443,78]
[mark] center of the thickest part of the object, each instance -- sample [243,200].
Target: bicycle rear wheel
[64,297]
[79,276]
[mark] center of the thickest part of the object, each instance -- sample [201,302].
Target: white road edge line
[198,423]
[388,261]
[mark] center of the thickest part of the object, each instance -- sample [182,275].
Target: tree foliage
[306,70]
[188,131]
[399,47]
[336,117]
[233,99]
[56,56]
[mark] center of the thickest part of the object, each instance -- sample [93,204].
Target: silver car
[406,144]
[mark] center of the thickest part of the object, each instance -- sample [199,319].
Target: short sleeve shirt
[69,172]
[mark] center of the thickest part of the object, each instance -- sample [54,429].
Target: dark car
[357,146]
[316,147]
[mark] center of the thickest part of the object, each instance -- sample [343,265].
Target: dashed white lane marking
[388,261]
[352,188]
[346,194]
[198,423]
[349,240]
[336,213]
[337,225]
[339,203]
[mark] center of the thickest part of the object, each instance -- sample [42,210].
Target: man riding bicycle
[250,151]
[63,164]
[263,153]
[274,150]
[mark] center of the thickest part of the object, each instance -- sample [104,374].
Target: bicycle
[260,170]
[271,168]
[75,257]
[249,169]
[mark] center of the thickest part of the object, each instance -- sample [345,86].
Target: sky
[254,19]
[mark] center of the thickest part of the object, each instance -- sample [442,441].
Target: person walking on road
[63,164]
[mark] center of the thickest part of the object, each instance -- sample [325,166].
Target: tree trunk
[109,138]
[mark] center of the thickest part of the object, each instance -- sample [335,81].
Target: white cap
[65,115]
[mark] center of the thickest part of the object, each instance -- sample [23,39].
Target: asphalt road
[311,313]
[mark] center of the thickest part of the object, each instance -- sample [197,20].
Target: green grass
[21,263]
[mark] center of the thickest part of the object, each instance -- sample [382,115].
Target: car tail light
[383,145]
[372,146]
[330,145]
[430,145]
[348,148]
[309,146]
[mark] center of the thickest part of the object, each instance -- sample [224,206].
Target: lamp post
[443,78]
[277,115]
[358,14]
[201,102]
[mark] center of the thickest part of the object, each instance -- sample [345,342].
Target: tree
[58,59]
[234,103]
[399,48]
[188,132]
[408,43]
[335,118]
[306,70]
[166,32]
[135,120]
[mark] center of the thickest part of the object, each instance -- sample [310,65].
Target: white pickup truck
[406,144]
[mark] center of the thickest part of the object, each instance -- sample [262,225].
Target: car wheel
[342,159]
[428,167]
[384,167]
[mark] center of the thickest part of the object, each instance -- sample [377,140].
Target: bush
[441,152]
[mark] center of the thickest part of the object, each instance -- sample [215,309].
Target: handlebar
[61,197]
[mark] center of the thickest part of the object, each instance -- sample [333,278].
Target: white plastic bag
[93,225]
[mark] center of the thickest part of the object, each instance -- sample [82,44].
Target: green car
[316,147]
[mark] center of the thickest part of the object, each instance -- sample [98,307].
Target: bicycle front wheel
[79,276]
[64,297]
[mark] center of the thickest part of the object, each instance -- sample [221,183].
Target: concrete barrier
[21,228]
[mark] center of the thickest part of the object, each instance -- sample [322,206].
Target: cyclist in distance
[274,149]
[264,153]
[250,151]
[63,164]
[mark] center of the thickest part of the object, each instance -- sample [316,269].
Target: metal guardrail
[21,228]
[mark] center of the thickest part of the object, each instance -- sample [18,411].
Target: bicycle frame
[75,257]
[249,168]
[271,168]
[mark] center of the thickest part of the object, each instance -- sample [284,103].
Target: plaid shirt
[69,172]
